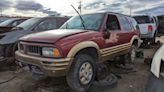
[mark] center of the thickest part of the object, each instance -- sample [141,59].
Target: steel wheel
[85,73]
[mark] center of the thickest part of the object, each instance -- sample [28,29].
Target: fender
[83,45]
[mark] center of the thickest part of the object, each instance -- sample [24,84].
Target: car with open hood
[80,43]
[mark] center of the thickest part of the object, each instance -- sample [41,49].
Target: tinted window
[47,24]
[143,19]
[112,23]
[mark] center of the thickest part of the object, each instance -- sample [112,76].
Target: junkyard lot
[132,82]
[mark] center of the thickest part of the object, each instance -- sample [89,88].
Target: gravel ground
[22,82]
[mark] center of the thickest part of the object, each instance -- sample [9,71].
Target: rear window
[143,19]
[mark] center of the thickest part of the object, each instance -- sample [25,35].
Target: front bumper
[50,67]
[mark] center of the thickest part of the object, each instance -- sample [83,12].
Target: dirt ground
[23,82]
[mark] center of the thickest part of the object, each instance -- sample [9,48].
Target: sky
[63,7]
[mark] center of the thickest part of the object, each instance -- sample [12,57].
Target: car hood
[5,29]
[51,36]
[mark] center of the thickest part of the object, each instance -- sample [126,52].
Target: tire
[132,54]
[106,84]
[80,63]
[153,39]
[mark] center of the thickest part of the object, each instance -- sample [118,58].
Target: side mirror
[106,35]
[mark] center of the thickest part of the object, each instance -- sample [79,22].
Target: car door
[113,29]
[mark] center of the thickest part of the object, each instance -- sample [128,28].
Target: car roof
[104,12]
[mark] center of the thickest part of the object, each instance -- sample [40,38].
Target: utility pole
[80,4]
[1,11]
[130,11]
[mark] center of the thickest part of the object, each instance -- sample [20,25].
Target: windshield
[28,23]
[7,22]
[91,22]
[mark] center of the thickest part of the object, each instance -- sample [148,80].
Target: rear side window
[143,19]
[133,23]
[112,23]
[125,23]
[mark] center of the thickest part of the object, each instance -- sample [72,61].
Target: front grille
[33,50]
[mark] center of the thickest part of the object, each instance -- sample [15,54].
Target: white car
[148,27]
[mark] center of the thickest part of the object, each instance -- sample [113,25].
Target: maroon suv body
[75,48]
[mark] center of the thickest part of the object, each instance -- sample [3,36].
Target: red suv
[81,43]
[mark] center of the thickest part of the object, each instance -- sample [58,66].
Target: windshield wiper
[82,21]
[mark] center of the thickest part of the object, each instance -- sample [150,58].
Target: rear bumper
[50,67]
[149,35]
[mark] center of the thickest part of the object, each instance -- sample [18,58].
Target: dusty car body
[9,39]
[93,39]
[7,25]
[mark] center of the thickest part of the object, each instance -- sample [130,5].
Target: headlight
[50,52]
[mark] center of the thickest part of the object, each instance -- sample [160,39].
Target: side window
[125,23]
[47,24]
[112,23]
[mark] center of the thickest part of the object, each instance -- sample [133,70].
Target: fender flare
[83,45]
[135,37]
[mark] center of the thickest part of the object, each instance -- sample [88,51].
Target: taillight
[150,28]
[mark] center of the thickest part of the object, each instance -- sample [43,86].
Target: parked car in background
[148,28]
[7,25]
[75,48]
[9,40]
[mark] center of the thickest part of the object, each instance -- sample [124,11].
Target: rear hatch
[145,24]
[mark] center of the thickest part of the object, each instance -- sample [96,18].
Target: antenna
[82,21]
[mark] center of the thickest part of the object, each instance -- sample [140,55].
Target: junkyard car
[148,28]
[81,43]
[7,25]
[8,40]
[156,81]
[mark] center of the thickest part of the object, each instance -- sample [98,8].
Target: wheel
[103,85]
[132,54]
[82,73]
[102,71]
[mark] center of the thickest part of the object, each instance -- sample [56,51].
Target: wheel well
[135,42]
[91,51]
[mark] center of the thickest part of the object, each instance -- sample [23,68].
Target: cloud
[27,5]
[24,5]
[5,4]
